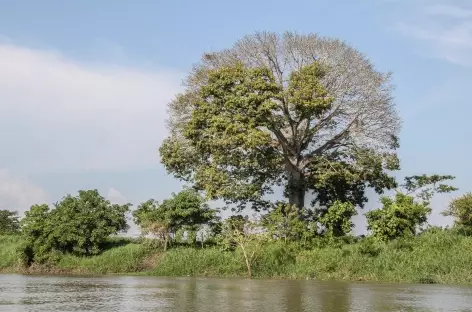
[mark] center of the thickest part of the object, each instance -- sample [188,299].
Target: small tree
[185,210]
[9,223]
[153,221]
[250,239]
[461,210]
[409,209]
[337,219]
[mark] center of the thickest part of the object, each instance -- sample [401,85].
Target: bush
[399,217]
[337,219]
[80,225]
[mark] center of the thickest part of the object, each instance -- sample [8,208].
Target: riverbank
[434,257]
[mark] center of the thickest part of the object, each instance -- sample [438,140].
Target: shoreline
[432,258]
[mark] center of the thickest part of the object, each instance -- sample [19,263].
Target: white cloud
[442,29]
[18,193]
[448,10]
[57,114]
[115,197]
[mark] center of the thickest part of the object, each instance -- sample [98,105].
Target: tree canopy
[302,112]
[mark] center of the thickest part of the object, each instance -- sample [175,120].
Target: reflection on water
[52,293]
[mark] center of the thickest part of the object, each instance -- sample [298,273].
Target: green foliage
[200,262]
[9,223]
[126,258]
[398,217]
[437,255]
[185,211]
[249,238]
[78,224]
[424,187]
[337,219]
[461,210]
[409,209]
[369,247]
[8,251]
[247,124]
[285,222]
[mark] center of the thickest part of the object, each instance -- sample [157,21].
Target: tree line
[83,224]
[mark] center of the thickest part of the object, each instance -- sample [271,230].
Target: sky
[84,85]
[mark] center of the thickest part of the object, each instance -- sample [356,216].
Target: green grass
[433,257]
[8,251]
[441,257]
[127,258]
[199,262]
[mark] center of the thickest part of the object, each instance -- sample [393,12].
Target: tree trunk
[166,239]
[296,189]
[247,260]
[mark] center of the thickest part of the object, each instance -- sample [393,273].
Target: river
[117,293]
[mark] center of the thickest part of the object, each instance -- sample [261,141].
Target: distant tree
[408,209]
[461,210]
[303,112]
[336,221]
[77,224]
[185,210]
[9,223]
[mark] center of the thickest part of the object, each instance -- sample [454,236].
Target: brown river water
[117,293]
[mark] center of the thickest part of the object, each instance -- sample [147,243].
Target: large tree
[308,113]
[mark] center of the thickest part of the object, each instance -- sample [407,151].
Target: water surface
[53,293]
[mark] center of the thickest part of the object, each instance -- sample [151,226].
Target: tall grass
[199,262]
[127,258]
[8,251]
[433,257]
[441,257]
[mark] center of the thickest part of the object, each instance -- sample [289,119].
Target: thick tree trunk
[296,189]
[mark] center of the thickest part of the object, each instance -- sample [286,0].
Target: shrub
[337,219]
[398,217]
[79,225]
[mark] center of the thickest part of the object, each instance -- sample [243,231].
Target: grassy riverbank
[434,257]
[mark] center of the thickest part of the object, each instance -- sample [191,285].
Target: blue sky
[85,84]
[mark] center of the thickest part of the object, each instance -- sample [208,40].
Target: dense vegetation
[301,114]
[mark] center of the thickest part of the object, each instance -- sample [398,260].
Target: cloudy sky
[84,84]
